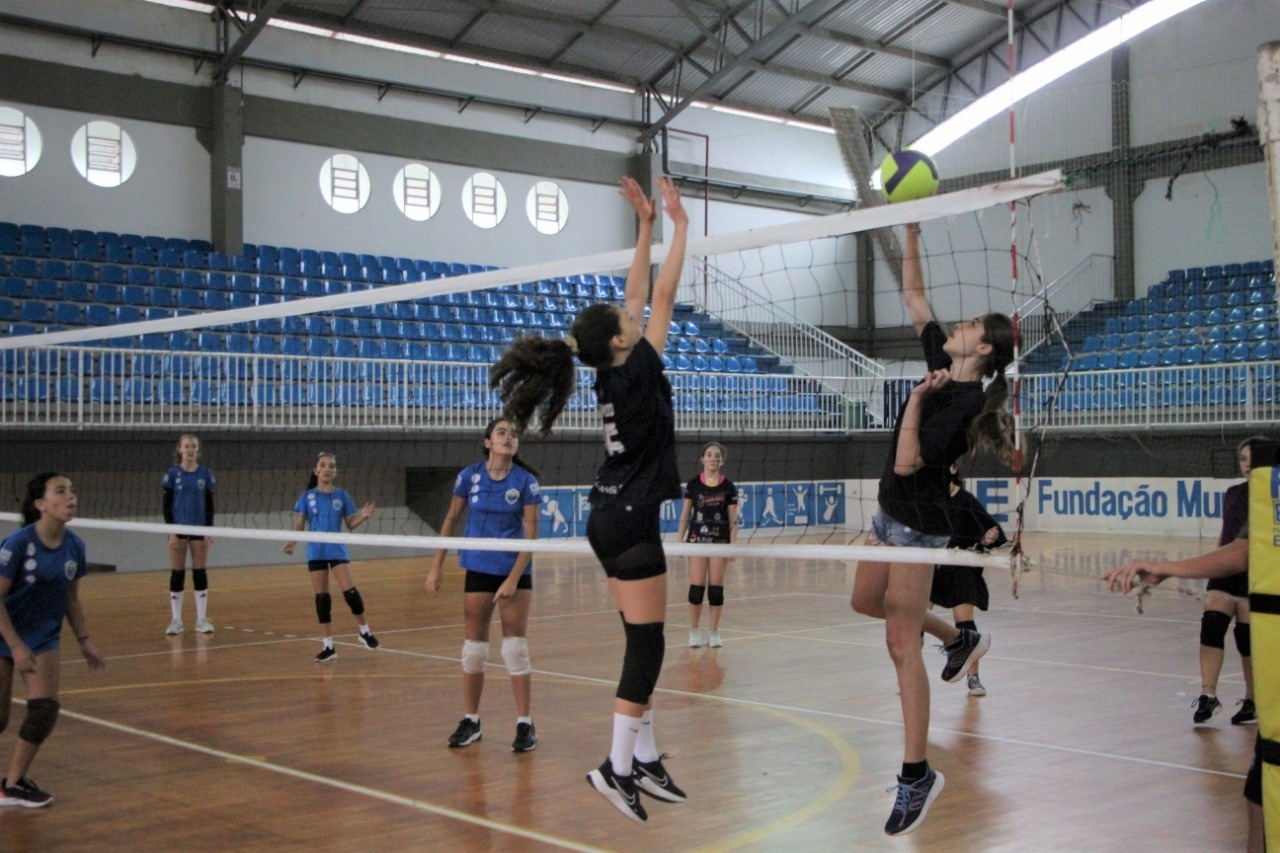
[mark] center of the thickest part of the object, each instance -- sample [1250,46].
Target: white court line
[372,793]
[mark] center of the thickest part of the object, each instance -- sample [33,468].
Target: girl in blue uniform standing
[948,414]
[324,508]
[40,570]
[535,376]
[188,489]
[500,497]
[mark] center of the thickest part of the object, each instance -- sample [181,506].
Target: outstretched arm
[1230,559]
[664,289]
[913,294]
[637,293]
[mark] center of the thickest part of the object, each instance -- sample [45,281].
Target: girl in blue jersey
[324,508]
[188,489]
[500,497]
[948,414]
[40,570]
[535,376]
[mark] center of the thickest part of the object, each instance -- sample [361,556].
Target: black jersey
[639,432]
[709,509]
[919,500]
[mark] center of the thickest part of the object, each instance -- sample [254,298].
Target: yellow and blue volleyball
[908,175]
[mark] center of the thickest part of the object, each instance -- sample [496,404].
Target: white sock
[475,718]
[364,629]
[646,747]
[520,720]
[328,642]
[625,731]
[175,605]
[202,603]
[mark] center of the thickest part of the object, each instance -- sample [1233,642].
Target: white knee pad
[515,653]
[474,657]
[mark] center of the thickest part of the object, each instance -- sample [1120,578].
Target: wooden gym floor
[785,739]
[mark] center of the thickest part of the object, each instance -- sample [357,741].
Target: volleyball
[907,176]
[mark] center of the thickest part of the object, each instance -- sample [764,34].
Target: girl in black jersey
[535,376]
[962,588]
[947,414]
[710,515]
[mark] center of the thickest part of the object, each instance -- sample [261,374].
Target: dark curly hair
[991,431]
[535,376]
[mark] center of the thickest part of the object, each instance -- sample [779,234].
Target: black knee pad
[1213,629]
[177,580]
[967,623]
[642,662]
[354,601]
[695,595]
[324,607]
[1244,643]
[199,580]
[42,714]
[715,596]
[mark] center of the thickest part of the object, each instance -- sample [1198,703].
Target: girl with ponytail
[535,379]
[947,415]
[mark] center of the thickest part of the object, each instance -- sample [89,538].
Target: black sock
[968,623]
[914,770]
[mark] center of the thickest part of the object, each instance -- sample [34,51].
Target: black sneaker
[369,641]
[619,790]
[963,652]
[1207,707]
[652,778]
[1247,715]
[327,654]
[467,733]
[912,803]
[526,738]
[24,793]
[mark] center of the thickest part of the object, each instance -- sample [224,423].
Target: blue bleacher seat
[34,312]
[163,297]
[68,314]
[1262,351]
[14,287]
[1215,354]
[318,347]
[344,348]
[46,289]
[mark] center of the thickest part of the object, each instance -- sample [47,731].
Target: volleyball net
[388,370]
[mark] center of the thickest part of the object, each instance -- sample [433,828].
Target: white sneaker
[975,687]
[204,626]
[695,638]
[713,639]
[175,628]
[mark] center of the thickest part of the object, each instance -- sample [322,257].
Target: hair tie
[572,343]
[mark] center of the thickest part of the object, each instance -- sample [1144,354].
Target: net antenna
[856,154]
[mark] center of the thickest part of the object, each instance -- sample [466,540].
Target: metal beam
[774,40]
[986,6]
[237,50]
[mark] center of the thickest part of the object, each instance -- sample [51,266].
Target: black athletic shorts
[628,541]
[189,537]
[485,582]
[324,565]
[1236,585]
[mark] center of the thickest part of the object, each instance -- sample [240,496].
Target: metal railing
[1090,282]
[93,387]
[841,369]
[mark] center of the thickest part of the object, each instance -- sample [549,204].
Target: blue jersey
[495,510]
[40,579]
[325,512]
[191,491]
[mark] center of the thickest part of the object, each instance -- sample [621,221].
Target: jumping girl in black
[947,413]
[536,376]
